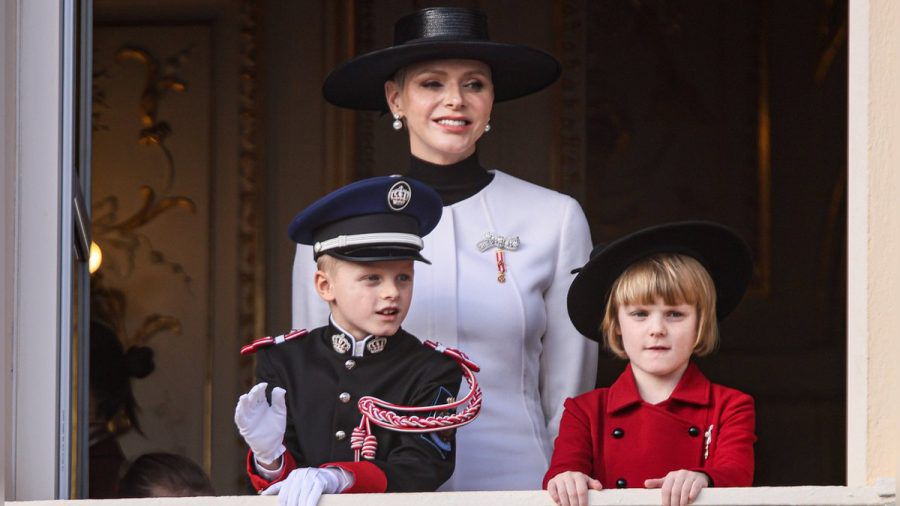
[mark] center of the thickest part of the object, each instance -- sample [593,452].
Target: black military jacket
[323,386]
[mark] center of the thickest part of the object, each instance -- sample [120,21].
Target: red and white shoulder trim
[265,342]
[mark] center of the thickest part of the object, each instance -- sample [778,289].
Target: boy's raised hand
[679,488]
[571,488]
[262,426]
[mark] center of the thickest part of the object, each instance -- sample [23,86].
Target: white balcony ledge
[762,496]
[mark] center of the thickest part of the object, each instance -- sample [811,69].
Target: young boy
[656,295]
[365,237]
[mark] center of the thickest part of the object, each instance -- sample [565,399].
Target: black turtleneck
[455,182]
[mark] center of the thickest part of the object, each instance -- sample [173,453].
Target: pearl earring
[397,124]
[487,128]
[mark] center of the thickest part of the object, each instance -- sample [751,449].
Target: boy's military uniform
[324,381]
[325,372]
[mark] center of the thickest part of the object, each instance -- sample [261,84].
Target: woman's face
[446,105]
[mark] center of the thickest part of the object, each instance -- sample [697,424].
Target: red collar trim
[692,388]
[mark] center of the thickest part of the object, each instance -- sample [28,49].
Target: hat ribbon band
[343,241]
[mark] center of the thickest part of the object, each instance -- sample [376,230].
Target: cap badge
[376,345]
[491,240]
[340,343]
[399,195]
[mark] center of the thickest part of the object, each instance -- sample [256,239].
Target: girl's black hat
[718,248]
[440,33]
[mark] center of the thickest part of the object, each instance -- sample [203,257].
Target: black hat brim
[724,254]
[378,254]
[516,70]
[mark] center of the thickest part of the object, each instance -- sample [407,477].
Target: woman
[503,251]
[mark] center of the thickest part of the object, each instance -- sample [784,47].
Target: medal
[491,240]
[501,266]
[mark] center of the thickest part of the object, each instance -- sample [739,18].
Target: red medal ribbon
[501,266]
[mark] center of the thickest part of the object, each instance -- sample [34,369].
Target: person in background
[503,251]
[164,475]
[656,295]
[113,408]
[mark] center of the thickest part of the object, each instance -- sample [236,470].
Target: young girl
[655,296]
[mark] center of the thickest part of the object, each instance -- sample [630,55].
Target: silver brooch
[376,345]
[492,240]
[340,343]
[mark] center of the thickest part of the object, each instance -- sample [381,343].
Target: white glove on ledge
[262,426]
[304,486]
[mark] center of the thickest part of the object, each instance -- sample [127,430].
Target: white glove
[304,486]
[261,425]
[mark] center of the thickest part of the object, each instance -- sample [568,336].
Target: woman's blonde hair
[676,279]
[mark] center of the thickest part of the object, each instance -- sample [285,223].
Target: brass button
[344,397]
[350,364]
[340,435]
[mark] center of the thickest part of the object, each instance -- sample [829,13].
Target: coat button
[694,431]
[621,483]
[344,397]
[350,364]
[340,435]
[618,433]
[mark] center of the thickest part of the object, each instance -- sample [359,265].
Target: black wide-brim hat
[439,33]
[724,254]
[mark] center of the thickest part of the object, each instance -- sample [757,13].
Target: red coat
[614,436]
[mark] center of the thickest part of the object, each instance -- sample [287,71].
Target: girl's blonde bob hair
[676,279]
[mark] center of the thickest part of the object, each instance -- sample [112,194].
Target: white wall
[873,378]
[35,304]
[7,202]
[883,427]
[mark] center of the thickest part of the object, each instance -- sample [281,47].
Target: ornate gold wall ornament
[125,235]
[251,273]
[159,81]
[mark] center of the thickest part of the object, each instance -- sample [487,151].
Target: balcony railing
[882,494]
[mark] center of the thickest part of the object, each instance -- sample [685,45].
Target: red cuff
[367,477]
[260,483]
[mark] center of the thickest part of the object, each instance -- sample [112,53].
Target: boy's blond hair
[674,278]
[327,263]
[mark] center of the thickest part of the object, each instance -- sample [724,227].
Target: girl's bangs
[669,278]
